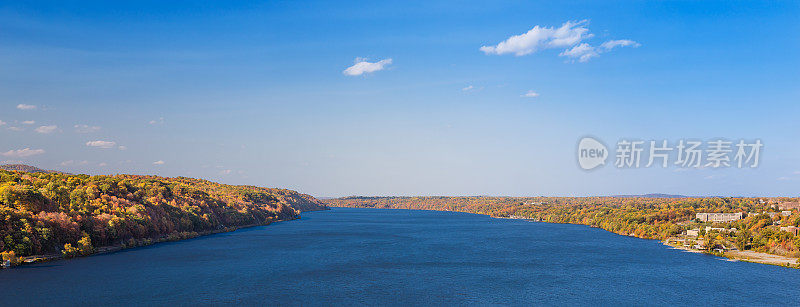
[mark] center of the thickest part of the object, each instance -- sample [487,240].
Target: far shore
[734,255]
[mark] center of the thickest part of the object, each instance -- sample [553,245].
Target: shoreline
[737,255]
[33,259]
[745,256]
[733,255]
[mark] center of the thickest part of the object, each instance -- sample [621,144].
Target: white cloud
[468,88]
[15,128]
[28,122]
[122,147]
[159,162]
[102,164]
[539,38]
[530,94]
[22,153]
[23,106]
[225,172]
[361,66]
[160,120]
[582,52]
[101,144]
[2,123]
[46,129]
[570,35]
[784,178]
[797,173]
[608,45]
[86,129]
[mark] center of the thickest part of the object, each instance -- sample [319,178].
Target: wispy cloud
[158,121]
[46,129]
[159,162]
[361,67]
[793,176]
[15,128]
[530,94]
[122,147]
[608,45]
[472,88]
[101,144]
[23,106]
[22,153]
[2,123]
[86,128]
[73,162]
[28,122]
[582,52]
[570,35]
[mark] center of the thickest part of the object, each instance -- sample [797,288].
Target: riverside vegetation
[55,214]
[643,217]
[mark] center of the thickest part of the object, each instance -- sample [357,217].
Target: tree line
[47,213]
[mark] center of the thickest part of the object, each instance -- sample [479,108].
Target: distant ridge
[25,168]
[653,195]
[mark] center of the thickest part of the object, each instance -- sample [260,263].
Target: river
[401,257]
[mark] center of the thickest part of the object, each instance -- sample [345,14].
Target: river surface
[399,257]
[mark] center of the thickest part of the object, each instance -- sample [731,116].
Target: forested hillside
[643,217]
[49,213]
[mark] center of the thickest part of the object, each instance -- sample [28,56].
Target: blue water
[402,257]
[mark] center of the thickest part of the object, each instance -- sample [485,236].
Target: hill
[25,168]
[56,213]
[654,195]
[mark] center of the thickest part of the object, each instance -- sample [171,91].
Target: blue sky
[256,92]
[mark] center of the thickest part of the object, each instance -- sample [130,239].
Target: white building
[719,217]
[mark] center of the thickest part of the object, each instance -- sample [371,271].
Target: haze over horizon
[437,98]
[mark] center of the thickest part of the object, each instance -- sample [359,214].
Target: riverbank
[751,256]
[652,218]
[47,214]
[747,256]
[150,241]
[734,255]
